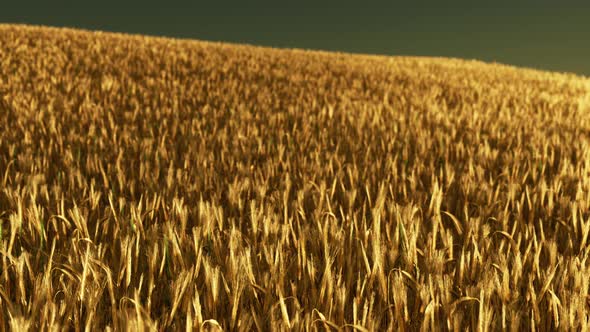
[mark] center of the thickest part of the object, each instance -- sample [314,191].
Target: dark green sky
[540,34]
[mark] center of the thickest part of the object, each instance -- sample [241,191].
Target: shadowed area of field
[178,184]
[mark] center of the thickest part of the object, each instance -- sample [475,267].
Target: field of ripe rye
[162,184]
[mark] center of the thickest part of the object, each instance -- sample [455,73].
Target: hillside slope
[173,183]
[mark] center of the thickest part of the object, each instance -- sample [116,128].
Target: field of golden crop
[173,184]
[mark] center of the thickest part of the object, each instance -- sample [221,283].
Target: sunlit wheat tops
[161,184]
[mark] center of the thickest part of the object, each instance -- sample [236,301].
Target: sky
[540,34]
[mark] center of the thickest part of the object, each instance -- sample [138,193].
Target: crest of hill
[196,73]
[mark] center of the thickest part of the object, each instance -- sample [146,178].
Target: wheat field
[162,184]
